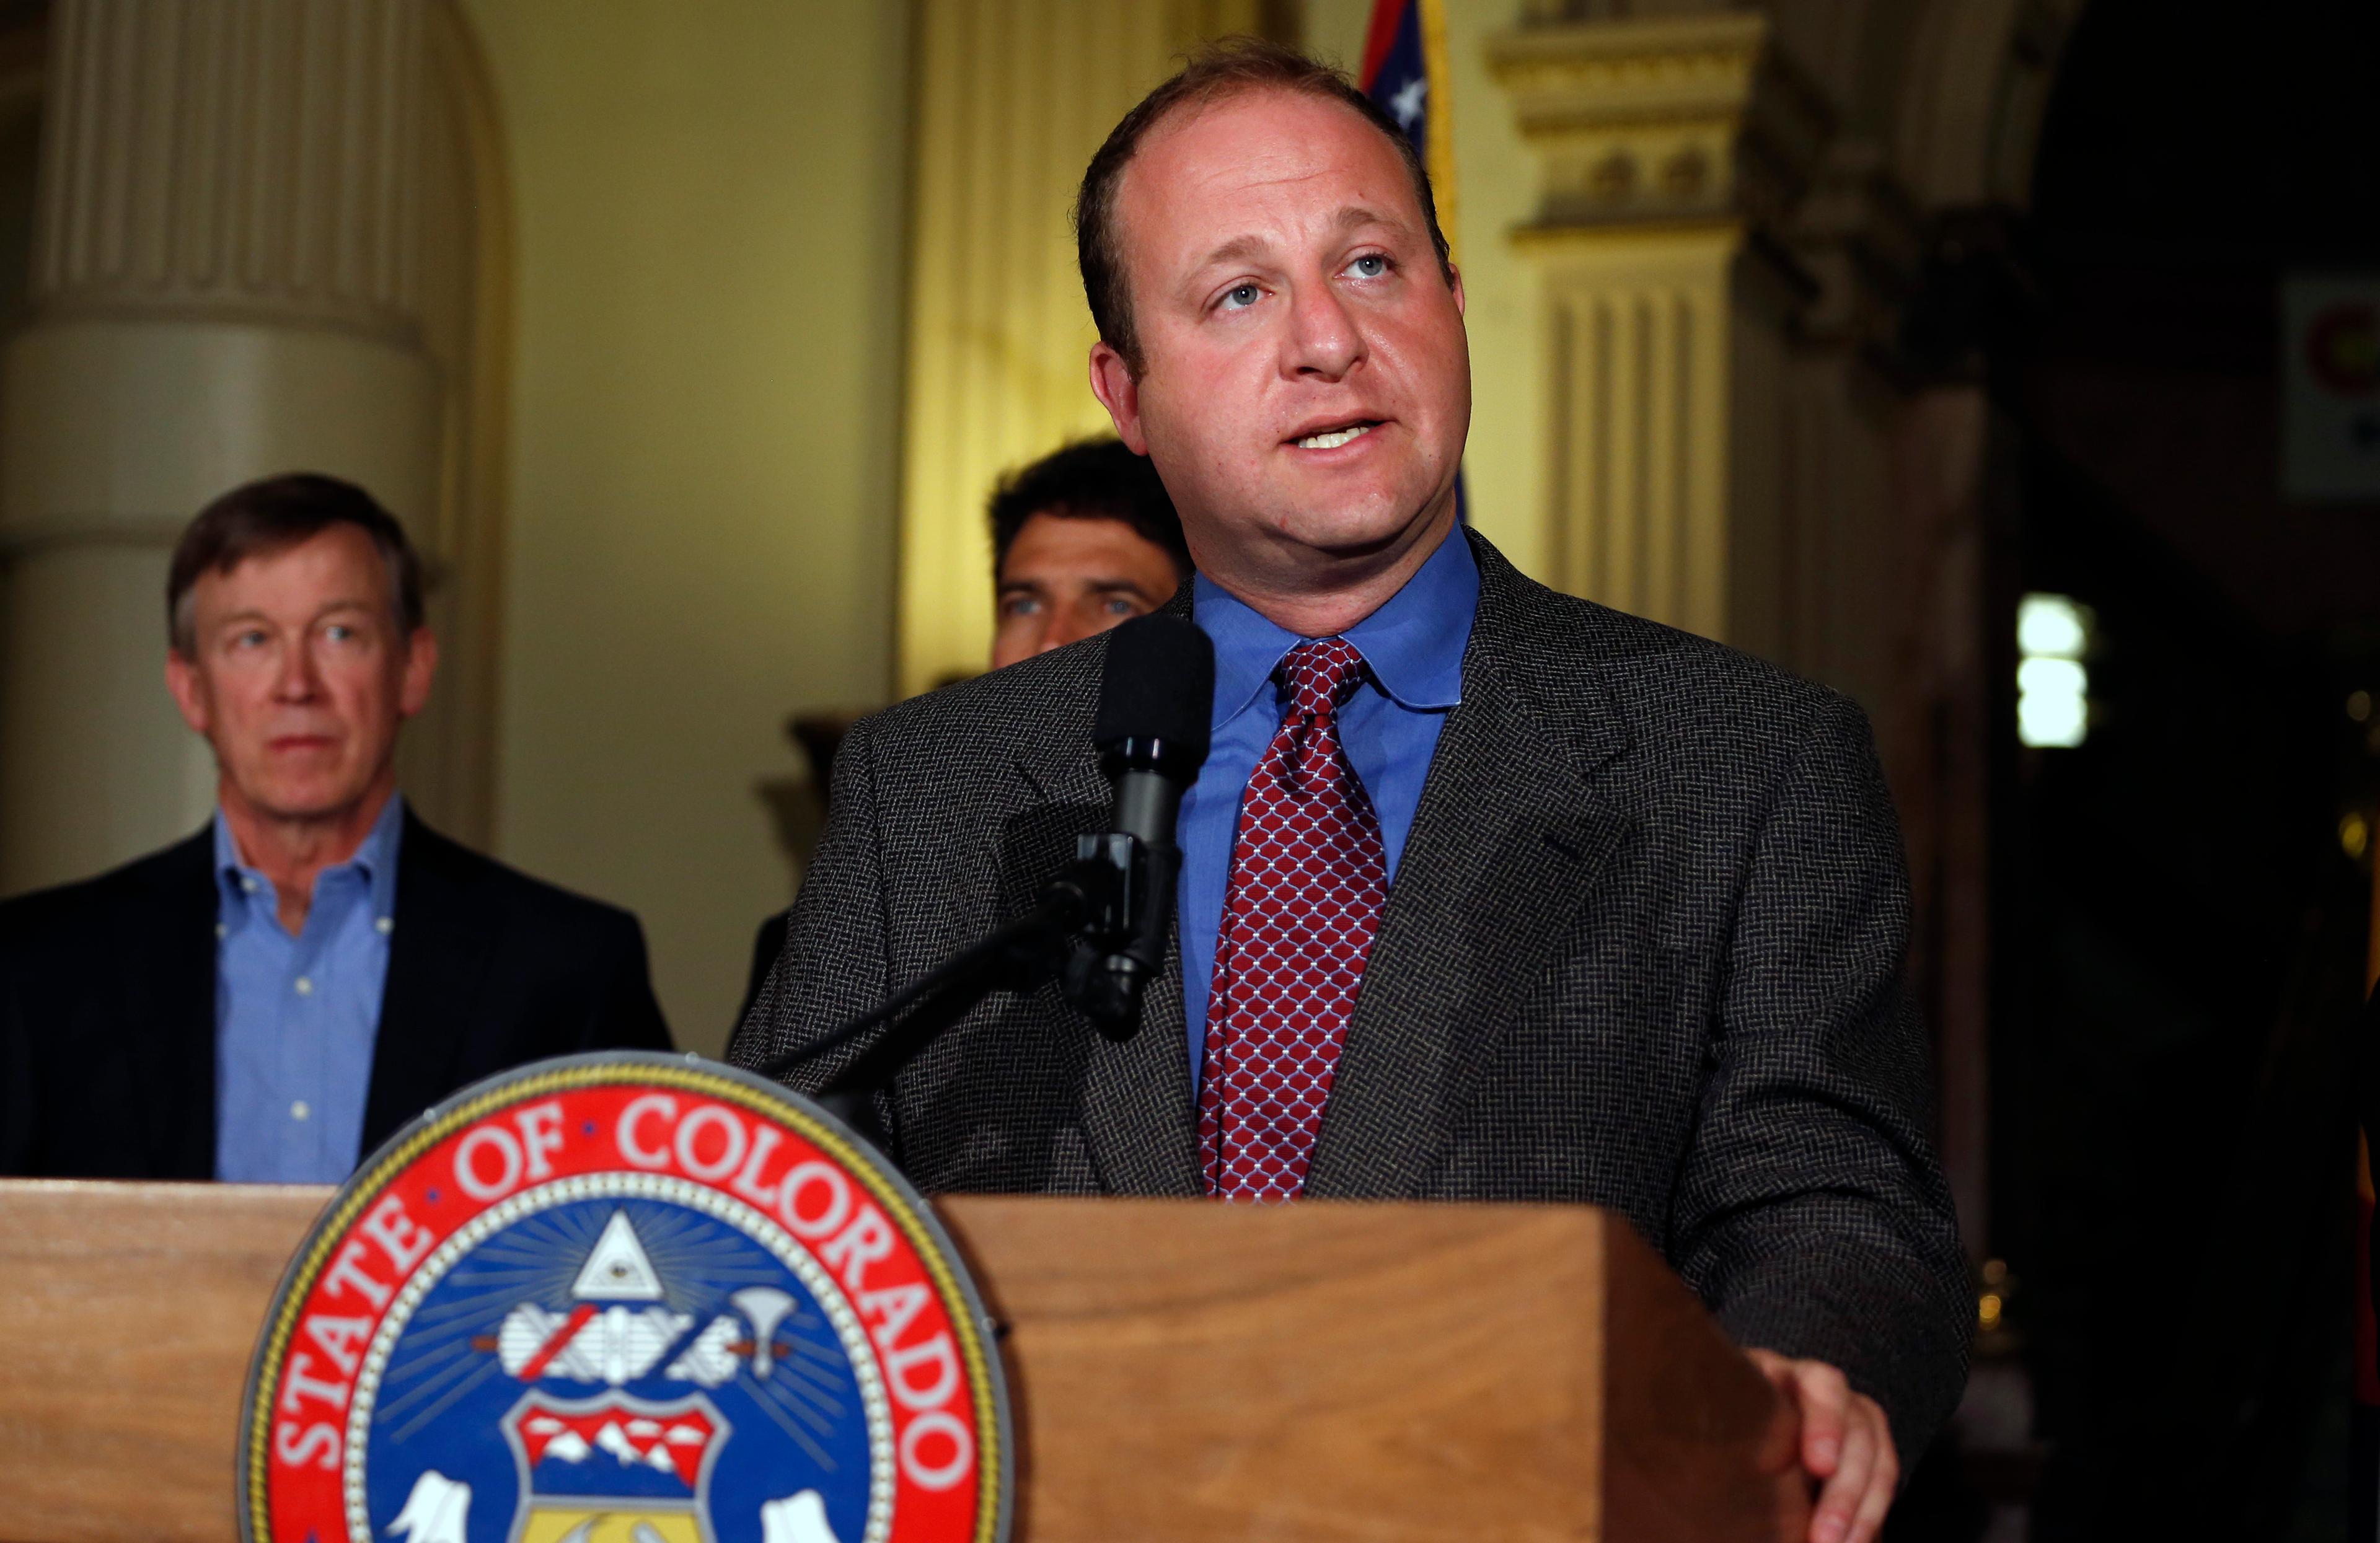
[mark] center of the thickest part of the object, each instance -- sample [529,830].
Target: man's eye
[1019,605]
[251,638]
[1240,297]
[1371,265]
[1122,605]
[339,632]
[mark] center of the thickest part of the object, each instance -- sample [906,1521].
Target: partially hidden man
[1082,540]
[1487,893]
[275,996]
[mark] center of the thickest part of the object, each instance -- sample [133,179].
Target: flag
[1406,72]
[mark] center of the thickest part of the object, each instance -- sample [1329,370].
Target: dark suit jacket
[107,1002]
[1644,950]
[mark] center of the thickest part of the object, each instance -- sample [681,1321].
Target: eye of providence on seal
[626,1299]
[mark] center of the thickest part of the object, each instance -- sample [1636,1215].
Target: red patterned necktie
[1309,880]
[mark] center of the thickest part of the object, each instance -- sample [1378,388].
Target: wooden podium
[1179,1370]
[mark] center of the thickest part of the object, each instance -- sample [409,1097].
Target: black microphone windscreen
[1159,685]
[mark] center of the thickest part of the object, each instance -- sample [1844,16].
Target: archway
[2179,925]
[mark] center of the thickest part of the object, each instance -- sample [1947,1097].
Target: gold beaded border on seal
[891,1192]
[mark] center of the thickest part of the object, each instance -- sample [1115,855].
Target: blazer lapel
[439,952]
[1137,1116]
[1134,1105]
[173,998]
[1503,853]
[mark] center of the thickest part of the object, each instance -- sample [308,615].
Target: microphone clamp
[1111,962]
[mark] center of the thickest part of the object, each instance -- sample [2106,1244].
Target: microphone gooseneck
[1100,926]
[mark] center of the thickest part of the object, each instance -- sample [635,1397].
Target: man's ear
[1113,383]
[189,691]
[420,667]
[1454,282]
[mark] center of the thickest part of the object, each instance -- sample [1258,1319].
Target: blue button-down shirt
[1412,648]
[296,1017]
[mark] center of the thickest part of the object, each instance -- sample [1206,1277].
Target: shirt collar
[375,859]
[1413,644]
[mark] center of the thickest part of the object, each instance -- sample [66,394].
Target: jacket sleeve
[1812,1209]
[627,1017]
[835,963]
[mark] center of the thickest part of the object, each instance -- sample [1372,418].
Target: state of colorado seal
[626,1299]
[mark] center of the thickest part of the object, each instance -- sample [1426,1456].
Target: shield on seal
[626,1299]
[613,1469]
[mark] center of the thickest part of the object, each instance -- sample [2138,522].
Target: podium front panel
[1180,1370]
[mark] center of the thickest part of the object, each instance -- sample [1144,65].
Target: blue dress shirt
[1412,648]
[296,1017]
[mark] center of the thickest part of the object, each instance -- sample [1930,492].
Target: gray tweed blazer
[1644,951]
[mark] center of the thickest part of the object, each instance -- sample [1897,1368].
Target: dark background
[2180,931]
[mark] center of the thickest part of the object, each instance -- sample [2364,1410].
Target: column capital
[234,160]
[1663,120]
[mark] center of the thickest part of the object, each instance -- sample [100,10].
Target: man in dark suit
[1487,892]
[273,998]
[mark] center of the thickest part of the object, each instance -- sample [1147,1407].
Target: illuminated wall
[703,441]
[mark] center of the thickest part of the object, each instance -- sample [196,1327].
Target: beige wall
[1495,191]
[703,461]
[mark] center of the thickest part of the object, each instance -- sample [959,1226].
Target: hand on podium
[1846,1448]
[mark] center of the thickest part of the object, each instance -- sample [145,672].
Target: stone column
[224,286]
[1671,150]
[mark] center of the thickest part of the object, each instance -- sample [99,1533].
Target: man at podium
[1487,893]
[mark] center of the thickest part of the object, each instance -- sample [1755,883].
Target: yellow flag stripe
[1437,155]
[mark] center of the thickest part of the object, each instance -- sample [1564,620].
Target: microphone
[1157,696]
[1101,925]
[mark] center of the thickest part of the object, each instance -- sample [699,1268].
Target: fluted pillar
[1669,153]
[224,286]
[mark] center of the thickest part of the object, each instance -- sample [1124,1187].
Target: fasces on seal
[637,1308]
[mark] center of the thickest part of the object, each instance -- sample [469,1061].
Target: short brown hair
[1225,69]
[263,517]
[1092,479]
